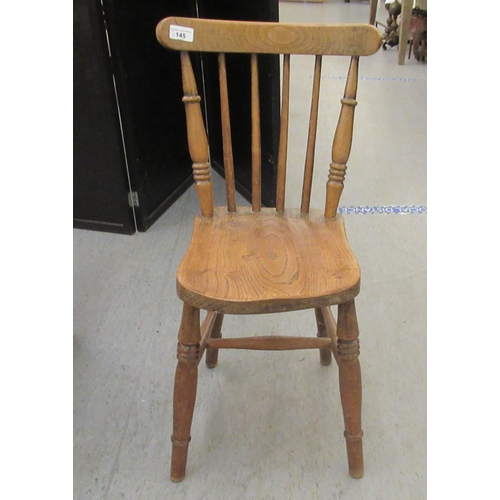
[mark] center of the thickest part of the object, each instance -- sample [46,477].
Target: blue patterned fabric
[384,209]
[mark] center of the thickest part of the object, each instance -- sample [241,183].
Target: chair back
[204,35]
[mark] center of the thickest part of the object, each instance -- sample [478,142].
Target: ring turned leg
[325,353]
[213,352]
[186,379]
[350,385]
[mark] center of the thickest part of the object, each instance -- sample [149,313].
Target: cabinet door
[149,89]
[101,186]
[130,145]
[238,70]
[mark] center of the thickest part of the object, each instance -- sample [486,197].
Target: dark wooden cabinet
[100,183]
[130,149]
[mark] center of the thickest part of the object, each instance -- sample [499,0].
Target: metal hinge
[133,199]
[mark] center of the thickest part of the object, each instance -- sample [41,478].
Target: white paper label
[181,33]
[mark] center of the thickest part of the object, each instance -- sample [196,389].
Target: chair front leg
[186,380]
[350,385]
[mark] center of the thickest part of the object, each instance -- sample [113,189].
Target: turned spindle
[350,385]
[186,381]
[197,137]
[342,142]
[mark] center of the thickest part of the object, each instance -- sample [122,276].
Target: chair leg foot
[355,456]
[350,385]
[211,362]
[179,461]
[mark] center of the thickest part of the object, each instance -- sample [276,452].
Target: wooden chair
[249,260]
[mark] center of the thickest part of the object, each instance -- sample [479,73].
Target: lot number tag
[181,33]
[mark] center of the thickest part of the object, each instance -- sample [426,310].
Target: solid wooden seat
[267,262]
[250,260]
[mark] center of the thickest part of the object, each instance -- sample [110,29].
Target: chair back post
[197,137]
[342,141]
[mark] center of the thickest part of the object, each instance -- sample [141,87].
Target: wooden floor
[267,425]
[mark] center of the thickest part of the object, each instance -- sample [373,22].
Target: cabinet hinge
[133,199]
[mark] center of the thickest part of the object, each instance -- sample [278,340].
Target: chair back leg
[213,352]
[325,353]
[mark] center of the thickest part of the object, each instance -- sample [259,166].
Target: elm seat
[266,262]
[251,260]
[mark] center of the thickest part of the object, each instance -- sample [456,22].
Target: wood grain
[271,38]
[267,262]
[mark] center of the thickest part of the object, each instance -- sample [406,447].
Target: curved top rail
[210,35]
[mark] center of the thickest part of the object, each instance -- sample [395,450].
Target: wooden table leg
[404,29]
[373,11]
